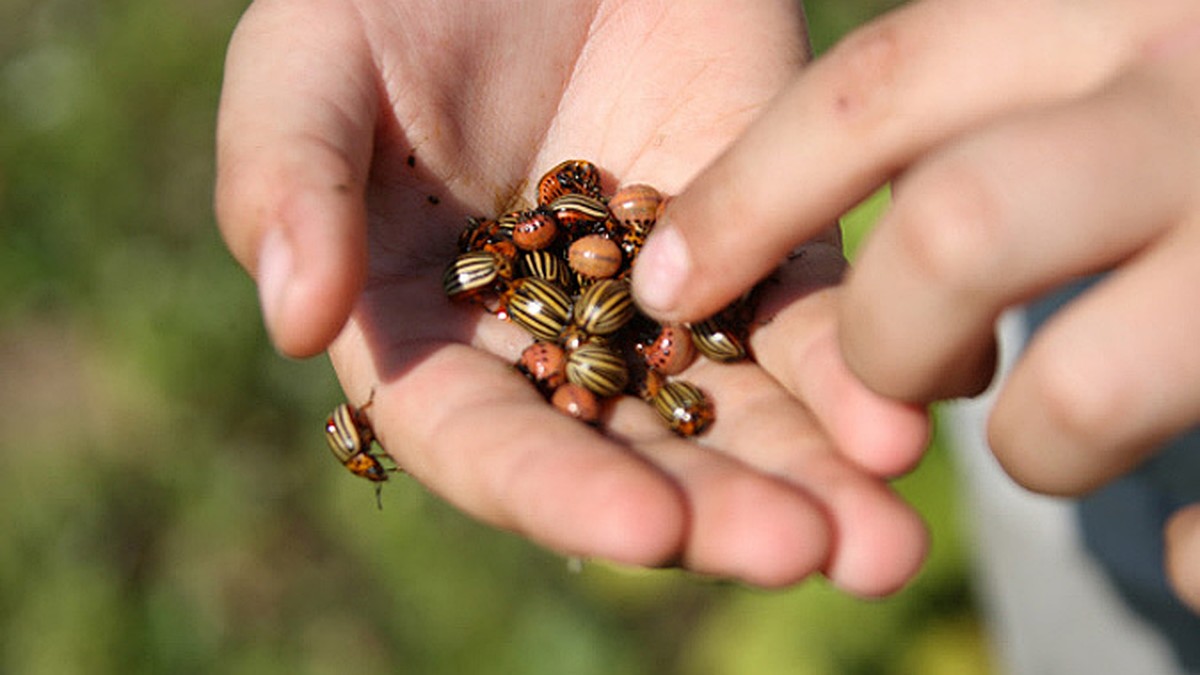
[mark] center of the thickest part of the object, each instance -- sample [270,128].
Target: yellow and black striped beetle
[350,436]
[573,176]
[539,306]
[604,307]
[718,341]
[684,407]
[596,367]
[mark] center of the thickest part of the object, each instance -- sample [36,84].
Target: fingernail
[274,271]
[661,270]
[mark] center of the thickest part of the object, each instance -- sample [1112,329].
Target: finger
[293,147]
[878,542]
[1109,379]
[742,524]
[1002,216]
[469,428]
[1183,554]
[461,420]
[798,345]
[887,93]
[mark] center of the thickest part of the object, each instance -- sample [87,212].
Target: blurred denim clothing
[1122,523]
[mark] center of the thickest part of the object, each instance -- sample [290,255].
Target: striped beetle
[546,266]
[717,341]
[594,366]
[580,214]
[573,176]
[540,307]
[604,307]
[684,407]
[472,275]
[350,436]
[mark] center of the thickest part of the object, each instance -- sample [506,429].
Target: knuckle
[1081,397]
[951,227]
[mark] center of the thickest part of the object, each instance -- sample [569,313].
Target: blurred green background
[168,502]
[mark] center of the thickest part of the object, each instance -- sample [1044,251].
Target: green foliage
[169,503]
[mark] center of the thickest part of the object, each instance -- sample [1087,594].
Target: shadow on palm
[649,96]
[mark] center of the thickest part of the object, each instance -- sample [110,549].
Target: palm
[472,125]
[471,108]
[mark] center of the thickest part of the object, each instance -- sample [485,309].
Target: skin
[1030,142]
[339,121]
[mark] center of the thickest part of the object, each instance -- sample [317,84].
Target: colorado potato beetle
[684,407]
[579,214]
[604,307]
[546,266]
[670,351]
[636,208]
[534,230]
[350,436]
[475,273]
[479,234]
[596,367]
[574,176]
[540,307]
[545,364]
[578,402]
[595,256]
[718,341]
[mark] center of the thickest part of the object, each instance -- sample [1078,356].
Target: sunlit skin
[1031,142]
[340,119]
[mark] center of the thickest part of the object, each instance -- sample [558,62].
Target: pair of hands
[1033,141]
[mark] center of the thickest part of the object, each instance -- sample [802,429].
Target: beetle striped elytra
[474,273]
[350,436]
[560,270]
[573,176]
[684,407]
[596,367]
[604,307]
[546,266]
[540,307]
[580,214]
[717,341]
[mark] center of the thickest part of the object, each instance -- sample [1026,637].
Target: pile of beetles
[560,270]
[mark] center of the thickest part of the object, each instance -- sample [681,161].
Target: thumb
[294,136]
